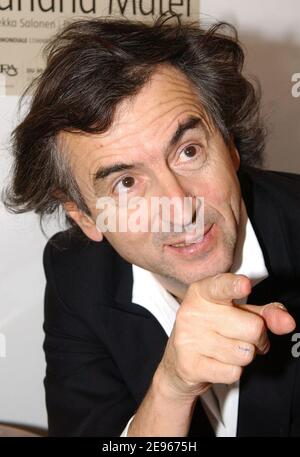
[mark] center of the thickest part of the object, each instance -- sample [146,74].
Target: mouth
[191,245]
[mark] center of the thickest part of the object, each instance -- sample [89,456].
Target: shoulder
[273,203]
[80,271]
[279,183]
[67,250]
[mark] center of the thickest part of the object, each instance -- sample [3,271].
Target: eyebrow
[192,122]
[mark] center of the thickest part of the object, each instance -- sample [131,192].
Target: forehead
[142,122]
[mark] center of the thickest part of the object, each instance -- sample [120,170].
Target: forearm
[162,413]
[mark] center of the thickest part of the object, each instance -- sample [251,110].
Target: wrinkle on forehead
[172,90]
[140,122]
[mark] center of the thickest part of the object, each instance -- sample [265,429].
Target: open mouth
[187,243]
[192,245]
[188,240]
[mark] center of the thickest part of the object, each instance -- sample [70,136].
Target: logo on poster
[9,70]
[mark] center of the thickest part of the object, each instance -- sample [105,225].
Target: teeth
[181,245]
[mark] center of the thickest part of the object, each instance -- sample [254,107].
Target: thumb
[276,317]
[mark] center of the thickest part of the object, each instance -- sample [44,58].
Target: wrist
[168,391]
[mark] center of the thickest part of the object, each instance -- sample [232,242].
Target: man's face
[196,163]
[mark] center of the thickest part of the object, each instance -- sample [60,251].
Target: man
[148,332]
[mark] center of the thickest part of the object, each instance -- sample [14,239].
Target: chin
[187,275]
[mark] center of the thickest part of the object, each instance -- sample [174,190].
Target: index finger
[275,315]
[223,288]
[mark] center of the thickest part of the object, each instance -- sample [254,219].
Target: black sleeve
[85,394]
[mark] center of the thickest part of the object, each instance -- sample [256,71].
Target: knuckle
[188,370]
[245,352]
[233,374]
[215,285]
[256,328]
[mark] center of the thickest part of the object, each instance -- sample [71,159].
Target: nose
[175,206]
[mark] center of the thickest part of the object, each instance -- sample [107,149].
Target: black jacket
[102,350]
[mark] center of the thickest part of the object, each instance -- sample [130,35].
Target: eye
[124,184]
[190,153]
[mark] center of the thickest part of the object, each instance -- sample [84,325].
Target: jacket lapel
[135,338]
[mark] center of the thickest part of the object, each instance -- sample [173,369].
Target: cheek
[218,193]
[222,188]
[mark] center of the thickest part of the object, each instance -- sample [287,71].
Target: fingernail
[277,305]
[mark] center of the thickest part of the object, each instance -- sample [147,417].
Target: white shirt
[221,401]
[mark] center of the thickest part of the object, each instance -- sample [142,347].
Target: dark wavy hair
[93,65]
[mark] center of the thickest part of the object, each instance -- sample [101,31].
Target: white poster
[27,25]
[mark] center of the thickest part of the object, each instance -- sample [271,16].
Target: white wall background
[270,32]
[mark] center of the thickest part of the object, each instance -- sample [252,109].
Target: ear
[235,156]
[84,221]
